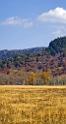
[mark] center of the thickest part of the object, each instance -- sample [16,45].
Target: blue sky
[31,23]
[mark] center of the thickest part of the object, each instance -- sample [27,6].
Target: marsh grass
[32,105]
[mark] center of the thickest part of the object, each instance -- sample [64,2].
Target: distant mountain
[4,54]
[37,59]
[55,47]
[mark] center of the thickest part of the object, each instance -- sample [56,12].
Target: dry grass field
[32,105]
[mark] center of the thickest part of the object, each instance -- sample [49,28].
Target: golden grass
[32,105]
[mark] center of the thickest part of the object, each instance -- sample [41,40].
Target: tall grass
[32,105]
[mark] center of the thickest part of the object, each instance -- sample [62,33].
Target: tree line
[21,77]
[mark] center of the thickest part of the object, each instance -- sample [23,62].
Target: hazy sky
[31,23]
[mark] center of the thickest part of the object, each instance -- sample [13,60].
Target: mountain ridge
[56,46]
[34,65]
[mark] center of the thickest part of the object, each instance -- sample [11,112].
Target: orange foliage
[46,76]
[31,78]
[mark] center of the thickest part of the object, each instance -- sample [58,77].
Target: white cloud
[27,23]
[57,33]
[57,15]
[17,21]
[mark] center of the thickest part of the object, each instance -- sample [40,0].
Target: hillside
[34,60]
[58,46]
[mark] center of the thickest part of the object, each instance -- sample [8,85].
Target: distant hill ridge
[37,59]
[56,46]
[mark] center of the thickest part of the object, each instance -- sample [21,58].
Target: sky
[31,23]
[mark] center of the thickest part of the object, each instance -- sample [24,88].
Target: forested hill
[34,60]
[6,54]
[58,46]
